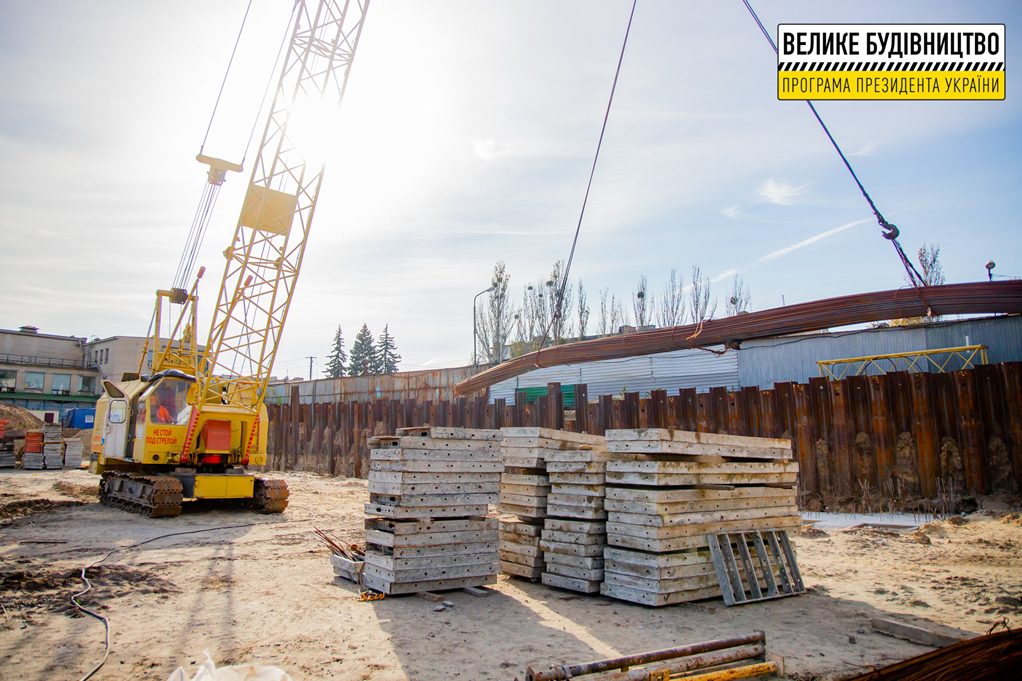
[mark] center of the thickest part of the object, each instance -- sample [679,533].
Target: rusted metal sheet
[805,439]
[841,448]
[924,430]
[1012,383]
[882,431]
[863,459]
[970,433]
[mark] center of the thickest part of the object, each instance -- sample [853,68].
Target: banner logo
[890,61]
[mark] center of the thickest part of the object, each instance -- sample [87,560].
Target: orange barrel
[34,442]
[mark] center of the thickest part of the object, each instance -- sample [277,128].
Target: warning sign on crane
[890,61]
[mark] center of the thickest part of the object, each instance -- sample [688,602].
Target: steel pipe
[975,298]
[570,671]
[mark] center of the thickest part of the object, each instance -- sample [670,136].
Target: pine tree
[386,352]
[336,360]
[362,360]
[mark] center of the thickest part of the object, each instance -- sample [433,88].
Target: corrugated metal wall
[437,384]
[669,371]
[761,363]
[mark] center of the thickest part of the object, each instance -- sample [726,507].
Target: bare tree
[605,324]
[530,319]
[929,263]
[670,308]
[700,296]
[739,299]
[496,317]
[559,311]
[642,303]
[582,306]
[617,314]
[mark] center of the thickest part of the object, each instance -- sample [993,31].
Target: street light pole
[475,359]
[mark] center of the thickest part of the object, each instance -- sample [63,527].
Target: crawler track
[156,496]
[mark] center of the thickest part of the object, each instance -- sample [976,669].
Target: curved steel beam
[977,298]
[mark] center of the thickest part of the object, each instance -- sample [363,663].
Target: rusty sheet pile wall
[899,435]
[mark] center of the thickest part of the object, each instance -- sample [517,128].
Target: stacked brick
[669,490]
[428,526]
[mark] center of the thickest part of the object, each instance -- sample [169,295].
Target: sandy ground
[260,589]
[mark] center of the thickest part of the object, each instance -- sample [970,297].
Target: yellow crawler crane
[189,429]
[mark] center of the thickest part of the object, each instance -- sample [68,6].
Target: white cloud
[731,212]
[781,252]
[781,192]
[867,149]
[726,274]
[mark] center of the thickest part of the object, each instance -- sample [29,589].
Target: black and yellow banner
[892,62]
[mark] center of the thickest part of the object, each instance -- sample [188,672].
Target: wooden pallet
[767,554]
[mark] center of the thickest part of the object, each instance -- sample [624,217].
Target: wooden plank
[585,513]
[917,634]
[518,479]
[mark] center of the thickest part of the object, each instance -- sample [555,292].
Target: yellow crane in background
[188,429]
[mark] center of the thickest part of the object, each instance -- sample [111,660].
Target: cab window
[167,402]
[118,411]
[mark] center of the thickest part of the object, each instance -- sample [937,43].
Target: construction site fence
[894,436]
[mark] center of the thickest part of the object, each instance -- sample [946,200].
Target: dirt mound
[19,419]
[38,586]
[83,492]
[23,507]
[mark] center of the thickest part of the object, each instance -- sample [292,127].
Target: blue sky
[466,137]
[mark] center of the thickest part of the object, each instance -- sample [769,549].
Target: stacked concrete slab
[670,490]
[574,532]
[524,487]
[429,495]
[72,453]
[53,446]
